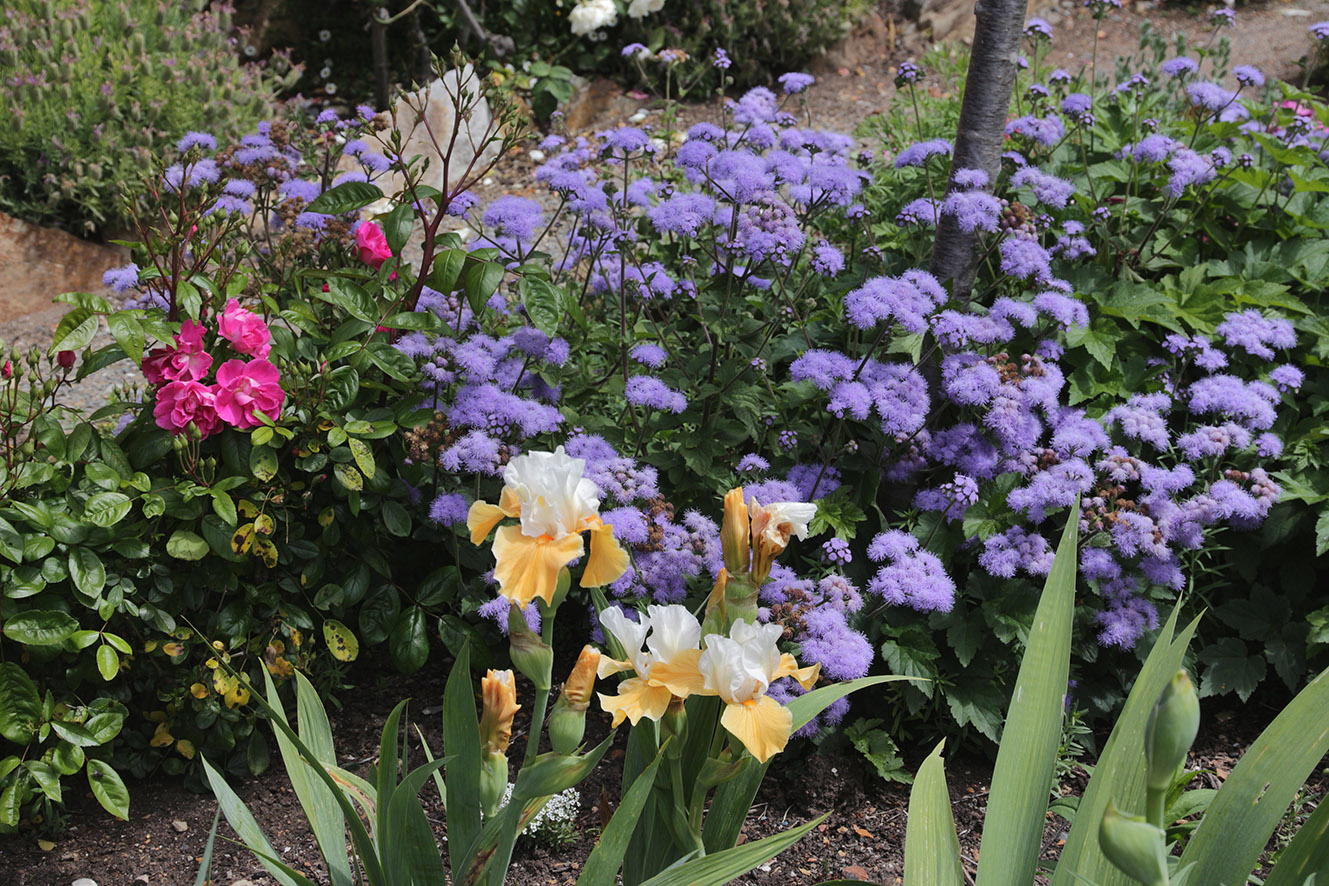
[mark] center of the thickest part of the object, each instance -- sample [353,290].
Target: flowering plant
[680,679]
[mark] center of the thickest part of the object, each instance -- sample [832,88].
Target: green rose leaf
[20,706]
[87,571]
[40,627]
[185,545]
[345,198]
[108,788]
[75,330]
[106,508]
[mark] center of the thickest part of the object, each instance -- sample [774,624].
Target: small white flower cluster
[555,824]
[590,16]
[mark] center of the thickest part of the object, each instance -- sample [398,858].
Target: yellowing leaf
[185,748]
[264,524]
[45,845]
[247,509]
[162,738]
[238,695]
[296,637]
[174,649]
[150,646]
[199,691]
[341,642]
[223,682]
[242,539]
[280,667]
[326,516]
[267,550]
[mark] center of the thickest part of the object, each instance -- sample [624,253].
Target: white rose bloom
[592,15]
[641,8]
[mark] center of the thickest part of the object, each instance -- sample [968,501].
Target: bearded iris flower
[555,504]
[665,671]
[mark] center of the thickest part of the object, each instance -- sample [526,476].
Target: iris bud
[1134,846]
[1170,731]
[531,655]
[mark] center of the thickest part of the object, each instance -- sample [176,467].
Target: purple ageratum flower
[912,577]
[1153,148]
[200,140]
[498,609]
[1037,28]
[908,300]
[476,453]
[1319,30]
[625,140]
[952,498]
[1059,76]
[920,152]
[792,82]
[956,329]
[968,179]
[299,189]
[1223,16]
[1048,189]
[1023,259]
[752,464]
[1208,441]
[648,391]
[199,173]
[721,60]
[1180,66]
[1076,103]
[1016,550]
[740,176]
[1125,621]
[1052,489]
[1066,310]
[1209,96]
[1142,417]
[648,354]
[1287,377]
[787,440]
[449,509]
[822,368]
[813,481]
[1189,168]
[121,279]
[836,551]
[826,259]
[1248,75]
[758,105]
[973,210]
[636,51]
[908,72]
[239,187]
[1268,446]
[515,217]
[844,654]
[682,214]
[1257,334]
[1250,403]
[922,211]
[1046,131]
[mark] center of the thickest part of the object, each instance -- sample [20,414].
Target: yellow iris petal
[483,517]
[610,666]
[636,699]
[607,561]
[761,724]
[680,675]
[527,567]
[789,668]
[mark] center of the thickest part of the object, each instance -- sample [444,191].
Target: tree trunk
[987,98]
[378,42]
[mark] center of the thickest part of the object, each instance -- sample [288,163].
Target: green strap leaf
[461,743]
[722,867]
[407,841]
[607,856]
[205,863]
[1238,824]
[1307,856]
[1119,773]
[1026,760]
[931,847]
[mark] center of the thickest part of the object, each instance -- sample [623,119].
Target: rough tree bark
[998,30]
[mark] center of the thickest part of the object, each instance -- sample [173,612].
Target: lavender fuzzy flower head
[973,210]
[1016,550]
[826,259]
[921,211]
[201,140]
[908,72]
[1023,259]
[912,576]
[636,51]
[787,440]
[951,498]
[794,82]
[1257,334]
[1287,377]
[648,391]
[920,152]
[1209,96]
[1038,29]
[721,60]
[752,464]
[1046,131]
[1188,169]
[449,509]
[1248,75]
[1047,189]
[1181,66]
[1319,30]
[648,354]
[121,279]
[1076,104]
[1223,17]
[515,217]
[907,300]
[836,551]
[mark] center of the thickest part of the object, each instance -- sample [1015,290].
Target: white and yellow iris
[555,504]
[665,670]
[740,668]
[772,526]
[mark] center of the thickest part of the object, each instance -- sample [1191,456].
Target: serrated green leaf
[128,333]
[75,331]
[1230,667]
[106,508]
[346,197]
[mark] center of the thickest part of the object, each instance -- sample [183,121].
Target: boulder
[37,264]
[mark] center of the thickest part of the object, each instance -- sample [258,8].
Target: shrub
[95,90]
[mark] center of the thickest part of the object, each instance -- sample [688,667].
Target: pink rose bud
[245,330]
[7,371]
[65,358]
[372,244]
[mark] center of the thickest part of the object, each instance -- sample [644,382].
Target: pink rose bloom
[245,388]
[373,245]
[245,330]
[182,403]
[187,361]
